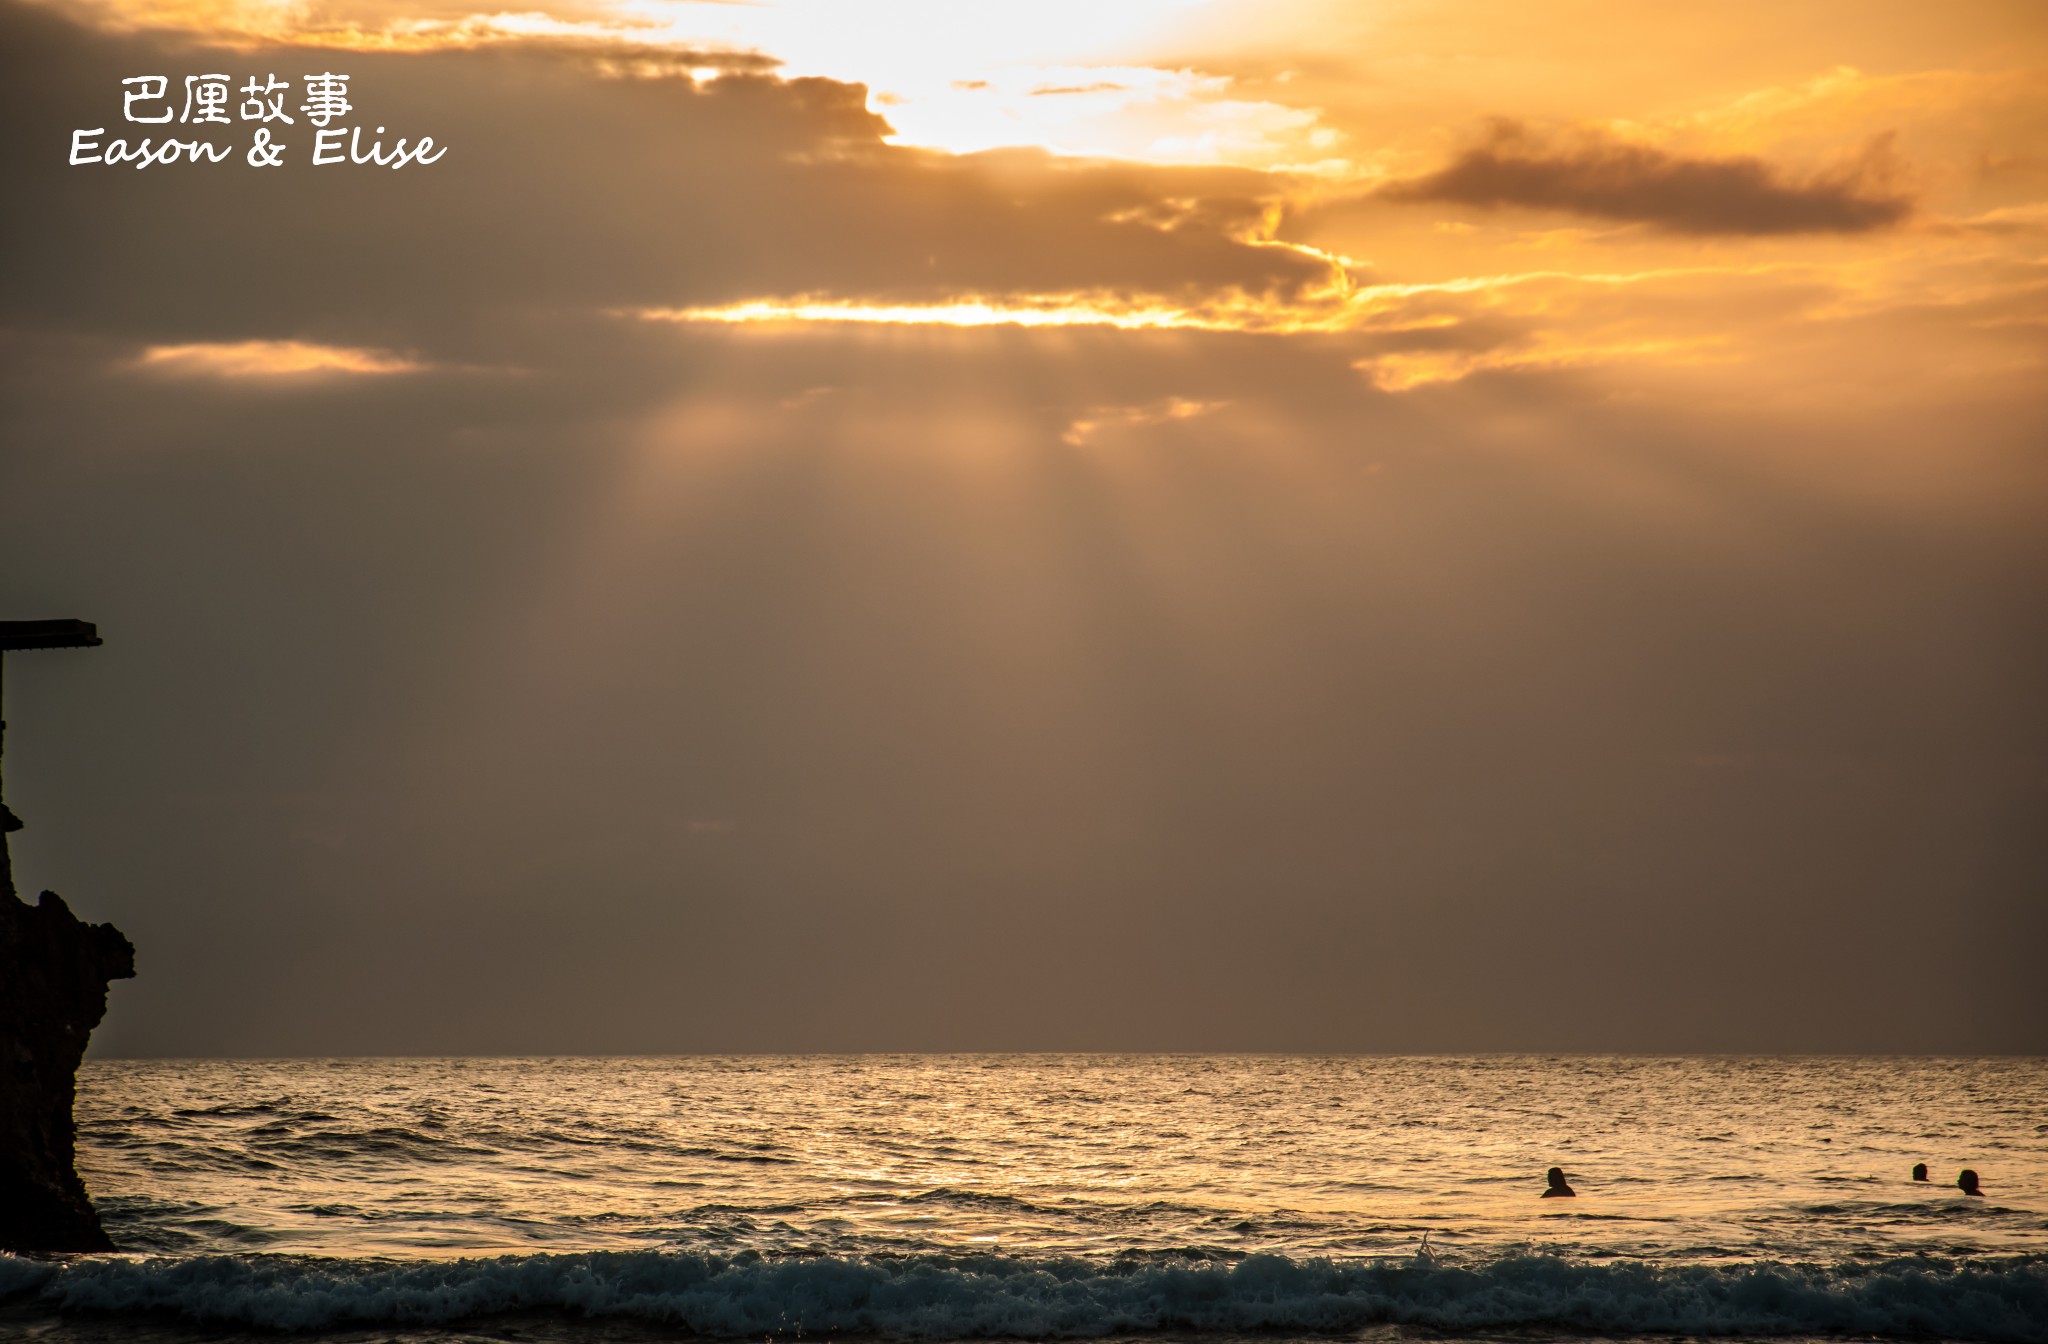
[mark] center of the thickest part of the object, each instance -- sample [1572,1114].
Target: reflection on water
[1703,1161]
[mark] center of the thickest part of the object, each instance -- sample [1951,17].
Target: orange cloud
[1015,311]
[269,359]
[1087,427]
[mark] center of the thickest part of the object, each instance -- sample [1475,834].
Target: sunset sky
[1141,524]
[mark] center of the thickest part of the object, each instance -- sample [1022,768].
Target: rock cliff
[54,970]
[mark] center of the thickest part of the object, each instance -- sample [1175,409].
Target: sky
[1422,525]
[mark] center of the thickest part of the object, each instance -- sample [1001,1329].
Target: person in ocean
[1919,1171]
[1967,1182]
[1559,1190]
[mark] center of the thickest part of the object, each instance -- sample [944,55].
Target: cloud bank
[1606,178]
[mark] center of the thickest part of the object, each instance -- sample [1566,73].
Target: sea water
[1038,1197]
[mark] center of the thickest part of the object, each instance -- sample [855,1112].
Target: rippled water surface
[1039,1195]
[1688,1159]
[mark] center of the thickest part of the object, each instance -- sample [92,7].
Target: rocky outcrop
[54,970]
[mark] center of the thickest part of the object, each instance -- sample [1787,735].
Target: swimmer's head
[1919,1171]
[1967,1182]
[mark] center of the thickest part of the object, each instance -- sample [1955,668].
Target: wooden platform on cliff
[66,634]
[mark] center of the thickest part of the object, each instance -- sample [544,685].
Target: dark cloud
[564,186]
[1606,178]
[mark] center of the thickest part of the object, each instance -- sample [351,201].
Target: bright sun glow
[1073,76]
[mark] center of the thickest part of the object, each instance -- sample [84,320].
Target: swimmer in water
[1559,1190]
[1967,1183]
[1919,1171]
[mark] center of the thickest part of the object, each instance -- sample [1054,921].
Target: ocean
[1052,1197]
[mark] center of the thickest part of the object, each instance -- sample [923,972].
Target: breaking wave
[952,1297]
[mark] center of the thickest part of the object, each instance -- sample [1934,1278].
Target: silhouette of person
[1919,1171]
[1967,1182]
[1558,1189]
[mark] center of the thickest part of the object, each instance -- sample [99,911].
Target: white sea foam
[1042,1197]
[931,1297]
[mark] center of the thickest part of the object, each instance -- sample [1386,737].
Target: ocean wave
[940,1297]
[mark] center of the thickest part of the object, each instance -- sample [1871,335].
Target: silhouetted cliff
[54,971]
